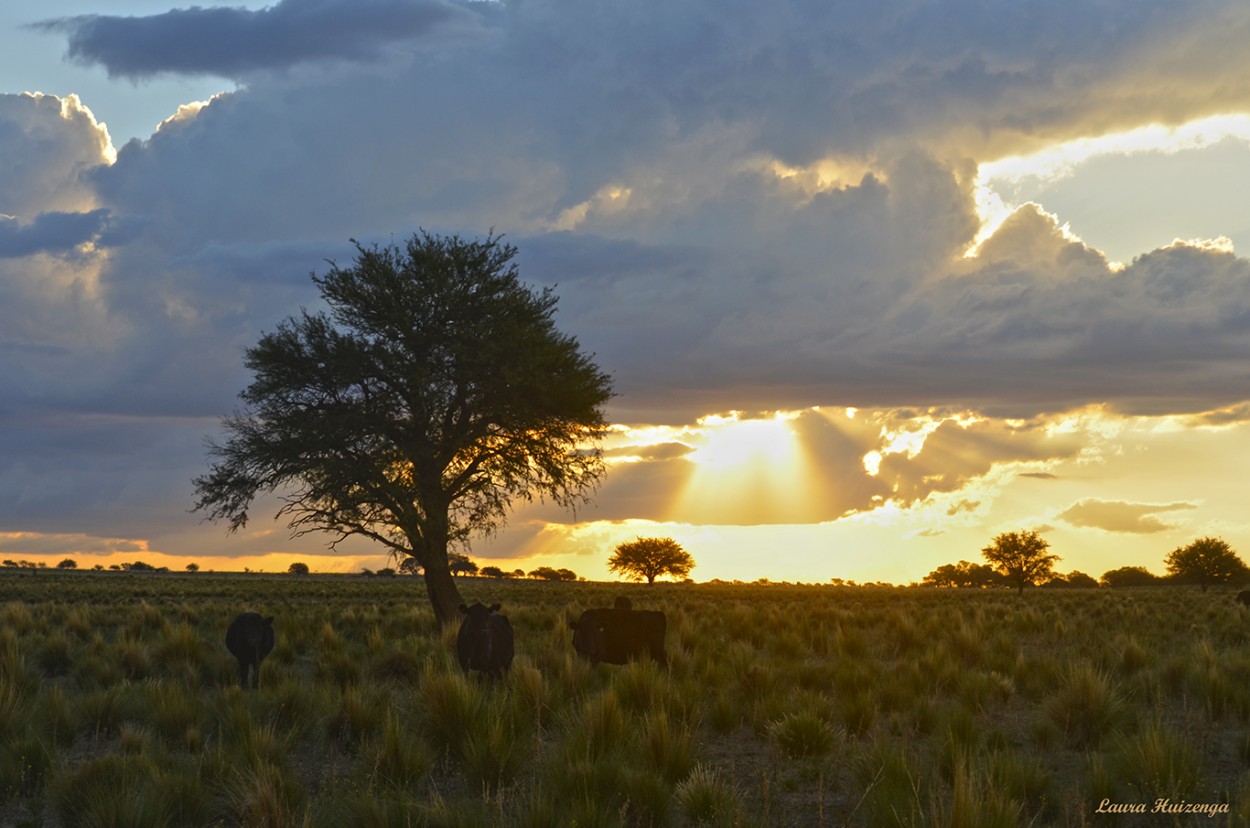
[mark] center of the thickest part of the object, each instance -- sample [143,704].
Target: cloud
[751,207]
[57,233]
[1118,516]
[50,145]
[235,42]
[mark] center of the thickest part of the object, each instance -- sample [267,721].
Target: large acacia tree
[434,393]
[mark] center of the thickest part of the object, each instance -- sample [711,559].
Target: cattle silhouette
[249,639]
[1243,597]
[619,634]
[484,642]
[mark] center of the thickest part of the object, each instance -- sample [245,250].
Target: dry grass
[781,706]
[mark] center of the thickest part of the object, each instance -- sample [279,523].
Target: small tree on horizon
[1021,558]
[68,563]
[964,575]
[461,564]
[298,568]
[193,567]
[649,558]
[1128,576]
[1206,561]
[544,573]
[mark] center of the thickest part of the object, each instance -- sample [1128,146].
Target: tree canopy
[650,558]
[1128,576]
[1021,558]
[964,574]
[434,393]
[1206,561]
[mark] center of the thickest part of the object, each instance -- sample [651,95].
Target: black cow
[484,642]
[250,639]
[1243,597]
[614,636]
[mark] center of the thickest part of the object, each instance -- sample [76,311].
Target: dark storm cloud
[57,233]
[234,42]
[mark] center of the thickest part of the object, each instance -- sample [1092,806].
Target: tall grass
[781,705]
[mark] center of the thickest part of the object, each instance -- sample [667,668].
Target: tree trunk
[444,594]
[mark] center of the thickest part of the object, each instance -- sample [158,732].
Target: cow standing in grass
[1243,597]
[249,639]
[484,642]
[619,634]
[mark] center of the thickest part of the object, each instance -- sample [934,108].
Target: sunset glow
[862,310]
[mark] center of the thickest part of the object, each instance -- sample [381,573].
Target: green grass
[781,705]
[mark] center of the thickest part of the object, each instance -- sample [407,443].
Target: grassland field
[782,706]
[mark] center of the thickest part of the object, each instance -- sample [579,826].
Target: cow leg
[243,674]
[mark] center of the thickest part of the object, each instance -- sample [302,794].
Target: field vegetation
[782,705]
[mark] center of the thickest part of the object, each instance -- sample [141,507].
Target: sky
[874,282]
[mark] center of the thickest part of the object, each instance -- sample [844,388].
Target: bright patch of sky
[1129,193]
[34,61]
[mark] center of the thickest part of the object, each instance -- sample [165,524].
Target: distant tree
[434,393]
[68,563]
[138,566]
[1080,580]
[1021,558]
[964,575]
[1206,561]
[460,564]
[493,572]
[409,566]
[117,567]
[193,567]
[298,568]
[385,572]
[98,568]
[518,573]
[1129,576]
[649,558]
[566,574]
[544,573]
[1073,580]
[9,563]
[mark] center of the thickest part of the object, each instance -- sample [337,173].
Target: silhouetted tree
[461,565]
[493,572]
[1128,576]
[434,393]
[410,566]
[965,575]
[298,568]
[649,558]
[1021,558]
[68,563]
[1073,580]
[545,573]
[1206,561]
[193,567]
[566,574]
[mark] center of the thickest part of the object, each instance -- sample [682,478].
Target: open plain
[781,705]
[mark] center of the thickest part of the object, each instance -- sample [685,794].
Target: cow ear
[495,607]
[464,609]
